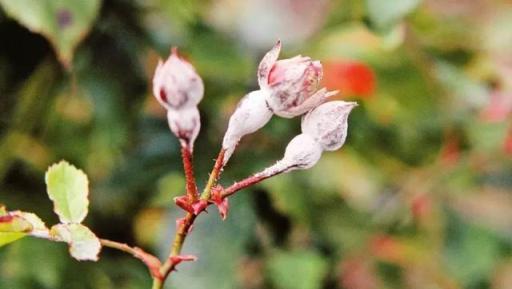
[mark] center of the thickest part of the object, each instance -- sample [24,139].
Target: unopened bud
[251,114]
[293,84]
[327,124]
[302,152]
[185,124]
[176,84]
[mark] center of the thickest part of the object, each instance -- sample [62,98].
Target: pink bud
[292,85]
[176,84]
[185,124]
[251,114]
[327,123]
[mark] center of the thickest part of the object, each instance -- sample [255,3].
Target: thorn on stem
[220,201]
[181,258]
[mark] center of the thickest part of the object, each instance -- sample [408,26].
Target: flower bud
[250,115]
[176,84]
[302,152]
[185,124]
[293,85]
[327,123]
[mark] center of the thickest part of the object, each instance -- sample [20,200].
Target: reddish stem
[188,167]
[249,181]
[149,260]
[214,176]
[182,231]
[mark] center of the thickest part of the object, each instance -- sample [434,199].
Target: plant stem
[186,154]
[118,246]
[254,179]
[149,260]
[184,228]
[214,176]
[182,232]
[157,284]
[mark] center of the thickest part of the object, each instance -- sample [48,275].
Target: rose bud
[185,124]
[302,152]
[176,84]
[250,115]
[327,123]
[292,85]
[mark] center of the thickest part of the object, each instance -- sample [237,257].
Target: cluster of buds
[324,128]
[179,89]
[288,88]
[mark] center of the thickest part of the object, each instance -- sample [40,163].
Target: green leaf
[83,244]
[297,270]
[16,225]
[63,23]
[384,13]
[67,187]
[6,238]
[12,228]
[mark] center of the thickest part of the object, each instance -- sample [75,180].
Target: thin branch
[185,224]
[256,178]
[214,176]
[191,187]
[184,227]
[148,259]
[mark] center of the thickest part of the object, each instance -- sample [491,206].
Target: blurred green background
[419,197]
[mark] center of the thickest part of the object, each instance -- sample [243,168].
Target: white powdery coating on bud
[176,84]
[328,123]
[185,124]
[267,63]
[302,152]
[250,115]
[293,84]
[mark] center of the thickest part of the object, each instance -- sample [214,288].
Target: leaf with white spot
[83,244]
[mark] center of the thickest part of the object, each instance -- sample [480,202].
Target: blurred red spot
[6,219]
[388,248]
[350,77]
[356,273]
[498,108]
[421,206]
[450,152]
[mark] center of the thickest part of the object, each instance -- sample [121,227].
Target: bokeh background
[419,197]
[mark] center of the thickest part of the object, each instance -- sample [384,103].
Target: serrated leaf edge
[53,201]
